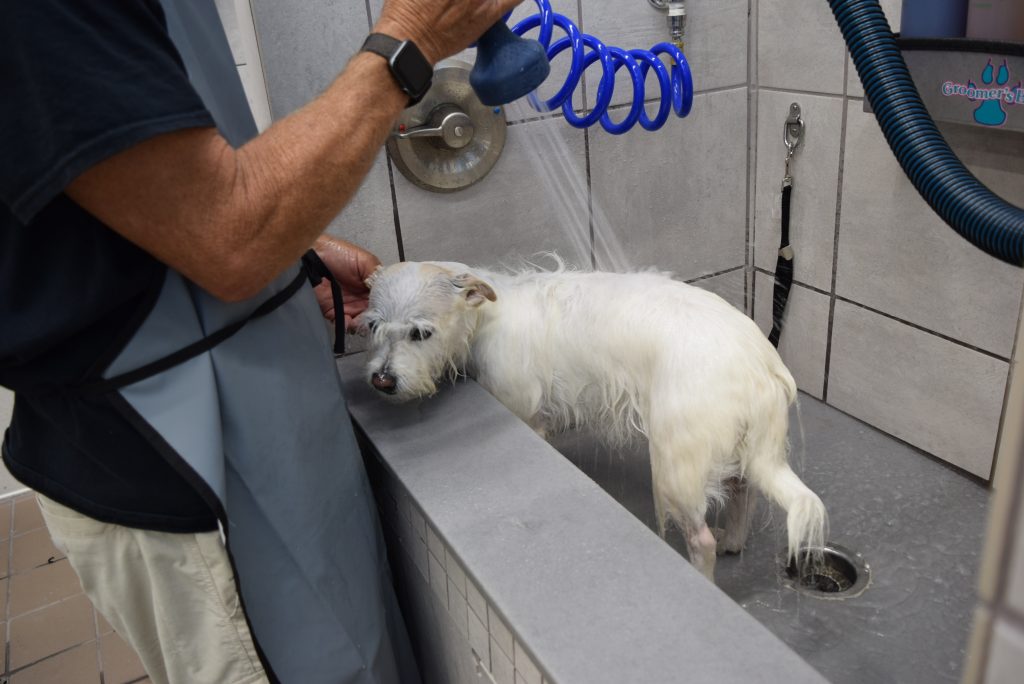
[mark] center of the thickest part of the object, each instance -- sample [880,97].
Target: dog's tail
[806,520]
[767,468]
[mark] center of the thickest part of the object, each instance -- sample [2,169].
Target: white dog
[623,354]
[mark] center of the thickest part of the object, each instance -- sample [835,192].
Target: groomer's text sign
[995,97]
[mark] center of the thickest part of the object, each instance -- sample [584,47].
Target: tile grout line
[891,317]
[66,649]
[835,238]
[590,201]
[96,634]
[709,276]
[618,107]
[14,495]
[586,158]
[812,93]
[399,243]
[51,604]
[753,109]
[583,81]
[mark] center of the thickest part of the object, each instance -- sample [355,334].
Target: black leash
[793,133]
[318,270]
[783,268]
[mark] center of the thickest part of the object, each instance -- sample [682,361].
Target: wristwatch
[409,67]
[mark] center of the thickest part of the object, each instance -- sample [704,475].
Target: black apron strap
[309,272]
[318,270]
[783,269]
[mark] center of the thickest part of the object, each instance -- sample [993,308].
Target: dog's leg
[739,510]
[700,545]
[539,425]
[659,514]
[679,473]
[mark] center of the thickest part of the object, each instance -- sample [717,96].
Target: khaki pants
[171,596]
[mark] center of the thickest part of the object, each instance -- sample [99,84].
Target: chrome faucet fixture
[676,11]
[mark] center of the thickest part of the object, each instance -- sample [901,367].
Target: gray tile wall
[676,197]
[303,48]
[894,318]
[941,396]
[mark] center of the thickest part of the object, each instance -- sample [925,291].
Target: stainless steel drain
[840,574]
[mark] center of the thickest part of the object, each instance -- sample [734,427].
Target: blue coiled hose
[971,209]
[676,87]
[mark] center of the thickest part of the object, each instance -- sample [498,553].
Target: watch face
[412,69]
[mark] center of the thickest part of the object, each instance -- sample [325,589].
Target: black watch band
[409,67]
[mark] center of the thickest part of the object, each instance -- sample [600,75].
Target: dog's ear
[473,289]
[359,325]
[372,278]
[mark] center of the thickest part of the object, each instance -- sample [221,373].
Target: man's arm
[231,220]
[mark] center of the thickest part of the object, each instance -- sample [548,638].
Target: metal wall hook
[793,129]
[792,135]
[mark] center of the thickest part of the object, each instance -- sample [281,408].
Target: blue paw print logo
[991,112]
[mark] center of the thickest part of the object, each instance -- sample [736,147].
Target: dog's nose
[385,382]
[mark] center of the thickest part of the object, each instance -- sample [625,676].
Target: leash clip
[792,135]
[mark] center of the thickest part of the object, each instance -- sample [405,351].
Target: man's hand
[441,28]
[351,266]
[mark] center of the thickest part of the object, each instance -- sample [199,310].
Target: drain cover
[840,573]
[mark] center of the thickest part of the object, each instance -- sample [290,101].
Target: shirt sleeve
[81,81]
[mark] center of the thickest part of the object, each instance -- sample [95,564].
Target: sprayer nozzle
[507,66]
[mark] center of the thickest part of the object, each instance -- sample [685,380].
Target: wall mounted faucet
[676,11]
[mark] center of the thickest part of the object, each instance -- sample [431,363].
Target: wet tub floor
[918,524]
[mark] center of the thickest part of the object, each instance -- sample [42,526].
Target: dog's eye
[372,324]
[417,335]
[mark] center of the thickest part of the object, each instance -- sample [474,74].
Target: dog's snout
[385,382]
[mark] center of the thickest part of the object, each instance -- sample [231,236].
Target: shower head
[507,66]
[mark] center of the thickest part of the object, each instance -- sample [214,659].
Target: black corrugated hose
[971,209]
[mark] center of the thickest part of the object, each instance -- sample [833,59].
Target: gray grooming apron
[259,426]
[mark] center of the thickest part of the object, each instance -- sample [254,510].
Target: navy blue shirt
[80,82]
